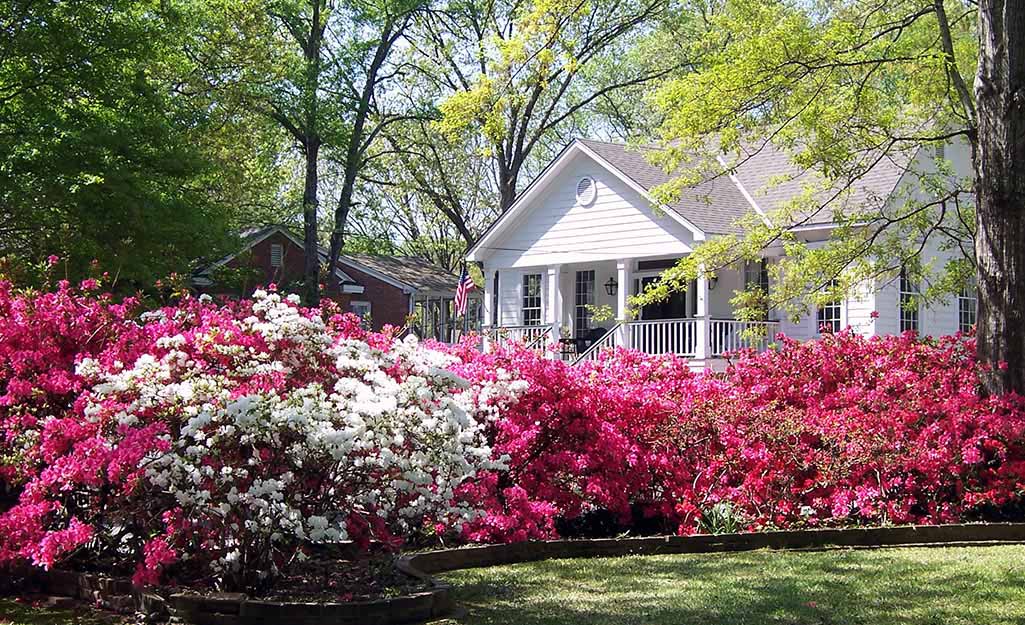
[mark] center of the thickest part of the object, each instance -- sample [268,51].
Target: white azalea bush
[255,432]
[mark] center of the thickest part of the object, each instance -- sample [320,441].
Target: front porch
[581,310]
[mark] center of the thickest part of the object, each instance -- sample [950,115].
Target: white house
[587,232]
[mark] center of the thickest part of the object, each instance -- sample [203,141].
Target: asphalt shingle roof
[766,174]
[713,205]
[419,273]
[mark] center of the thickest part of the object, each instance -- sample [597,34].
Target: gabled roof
[412,272]
[253,236]
[713,205]
[409,273]
[761,180]
[638,181]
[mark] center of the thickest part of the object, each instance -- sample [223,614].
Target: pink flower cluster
[846,430]
[230,438]
[220,441]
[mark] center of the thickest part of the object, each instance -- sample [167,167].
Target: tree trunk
[508,173]
[1000,194]
[355,150]
[311,252]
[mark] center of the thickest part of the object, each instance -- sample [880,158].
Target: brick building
[385,290]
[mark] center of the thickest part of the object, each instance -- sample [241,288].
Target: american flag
[463,291]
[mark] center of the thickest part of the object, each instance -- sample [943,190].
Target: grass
[13,612]
[938,586]
[915,586]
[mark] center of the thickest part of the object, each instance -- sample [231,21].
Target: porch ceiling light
[610,286]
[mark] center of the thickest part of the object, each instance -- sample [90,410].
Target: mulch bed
[331,580]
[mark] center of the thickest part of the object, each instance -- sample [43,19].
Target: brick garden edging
[237,609]
[430,562]
[118,595]
[110,593]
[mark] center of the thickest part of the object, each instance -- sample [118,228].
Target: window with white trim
[756,274]
[910,300]
[361,310]
[828,315]
[531,309]
[277,252]
[584,294]
[967,307]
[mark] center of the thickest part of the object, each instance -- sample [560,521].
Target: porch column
[554,313]
[701,345]
[488,309]
[624,279]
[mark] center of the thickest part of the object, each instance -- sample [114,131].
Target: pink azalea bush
[223,441]
[846,430]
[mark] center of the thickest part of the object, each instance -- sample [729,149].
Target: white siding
[728,282]
[937,318]
[858,308]
[803,329]
[555,229]
[510,300]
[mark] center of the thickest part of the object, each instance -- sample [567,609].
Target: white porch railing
[728,335]
[692,338]
[606,342]
[534,337]
[663,336]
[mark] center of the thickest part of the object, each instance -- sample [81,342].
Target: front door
[675,307]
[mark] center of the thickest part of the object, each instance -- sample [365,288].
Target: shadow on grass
[980,585]
[13,612]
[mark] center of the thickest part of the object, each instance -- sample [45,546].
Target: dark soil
[330,580]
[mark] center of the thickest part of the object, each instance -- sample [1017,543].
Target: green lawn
[941,586]
[20,613]
[958,586]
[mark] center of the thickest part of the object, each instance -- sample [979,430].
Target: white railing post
[702,331]
[623,277]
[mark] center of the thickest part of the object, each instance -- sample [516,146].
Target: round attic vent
[586,190]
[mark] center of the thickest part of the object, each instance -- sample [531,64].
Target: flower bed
[219,446]
[843,431]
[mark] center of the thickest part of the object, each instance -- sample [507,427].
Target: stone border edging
[237,609]
[430,562]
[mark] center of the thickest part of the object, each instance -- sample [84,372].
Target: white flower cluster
[388,432]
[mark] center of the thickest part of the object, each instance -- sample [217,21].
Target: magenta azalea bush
[224,441]
[841,431]
[222,444]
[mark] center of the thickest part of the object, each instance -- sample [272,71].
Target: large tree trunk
[311,53]
[355,151]
[311,266]
[1000,194]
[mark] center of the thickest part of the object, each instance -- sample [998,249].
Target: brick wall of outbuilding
[388,304]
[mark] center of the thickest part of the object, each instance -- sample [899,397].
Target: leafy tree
[269,57]
[841,87]
[507,84]
[103,158]
[431,195]
[365,75]
[320,70]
